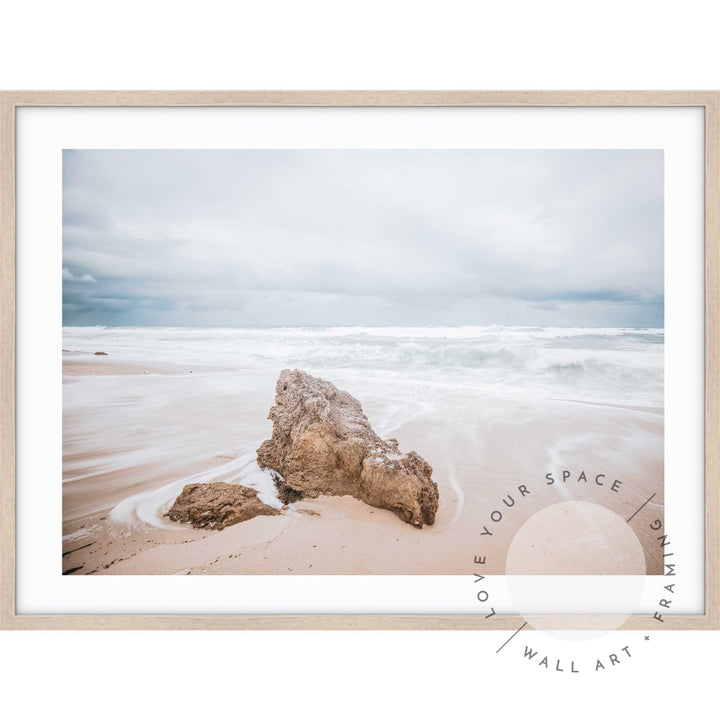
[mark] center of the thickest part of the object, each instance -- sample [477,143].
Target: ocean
[605,365]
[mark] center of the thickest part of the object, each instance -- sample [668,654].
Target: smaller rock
[99,352]
[217,505]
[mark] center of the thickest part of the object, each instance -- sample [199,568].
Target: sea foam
[613,365]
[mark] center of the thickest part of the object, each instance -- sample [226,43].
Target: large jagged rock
[217,505]
[322,444]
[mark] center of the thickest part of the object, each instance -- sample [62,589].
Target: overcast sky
[363,237]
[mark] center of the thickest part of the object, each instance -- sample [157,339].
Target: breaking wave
[602,364]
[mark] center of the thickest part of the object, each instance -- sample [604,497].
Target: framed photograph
[425,360]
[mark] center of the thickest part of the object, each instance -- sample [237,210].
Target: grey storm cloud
[363,237]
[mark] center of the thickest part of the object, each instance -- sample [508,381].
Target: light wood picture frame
[11,101]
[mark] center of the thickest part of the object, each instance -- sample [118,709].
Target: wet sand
[134,428]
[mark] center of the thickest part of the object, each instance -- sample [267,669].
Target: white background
[343,45]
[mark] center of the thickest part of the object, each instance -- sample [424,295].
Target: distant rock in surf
[217,505]
[99,352]
[322,444]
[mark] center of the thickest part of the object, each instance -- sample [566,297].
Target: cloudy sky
[363,237]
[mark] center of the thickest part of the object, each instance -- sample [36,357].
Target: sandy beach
[134,433]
